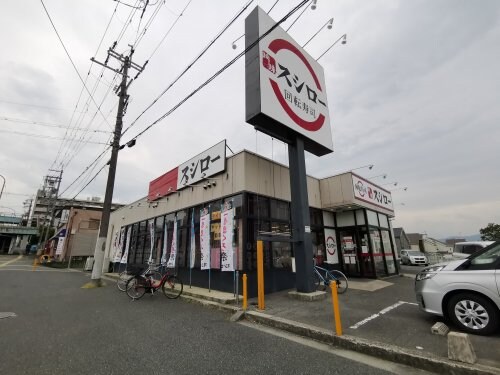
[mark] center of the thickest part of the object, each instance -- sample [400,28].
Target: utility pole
[106,209]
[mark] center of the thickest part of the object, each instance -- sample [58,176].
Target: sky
[413,92]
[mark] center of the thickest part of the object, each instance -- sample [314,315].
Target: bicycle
[125,276]
[322,275]
[141,283]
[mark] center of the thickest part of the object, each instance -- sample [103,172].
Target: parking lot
[385,311]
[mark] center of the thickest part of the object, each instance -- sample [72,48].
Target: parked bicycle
[141,283]
[125,276]
[323,278]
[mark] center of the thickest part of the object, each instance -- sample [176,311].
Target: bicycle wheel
[136,287]
[340,279]
[172,287]
[123,278]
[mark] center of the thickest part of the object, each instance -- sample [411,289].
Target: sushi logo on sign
[295,84]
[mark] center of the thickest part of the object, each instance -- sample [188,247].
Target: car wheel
[473,313]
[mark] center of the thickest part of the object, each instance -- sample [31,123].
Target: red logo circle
[331,245]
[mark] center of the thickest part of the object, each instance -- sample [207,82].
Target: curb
[375,349]
[372,348]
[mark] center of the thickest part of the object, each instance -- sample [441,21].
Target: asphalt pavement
[384,313]
[56,327]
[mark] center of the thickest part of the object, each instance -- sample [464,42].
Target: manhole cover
[7,315]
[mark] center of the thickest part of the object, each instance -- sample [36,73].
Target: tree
[491,232]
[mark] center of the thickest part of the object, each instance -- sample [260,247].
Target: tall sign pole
[106,209]
[286,99]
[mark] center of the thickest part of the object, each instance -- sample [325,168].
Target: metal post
[245,293]
[301,228]
[260,275]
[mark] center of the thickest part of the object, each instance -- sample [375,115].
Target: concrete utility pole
[106,209]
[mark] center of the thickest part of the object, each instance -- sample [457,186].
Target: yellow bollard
[245,292]
[260,275]
[336,310]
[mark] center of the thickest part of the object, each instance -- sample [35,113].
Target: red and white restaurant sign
[369,193]
[332,255]
[291,94]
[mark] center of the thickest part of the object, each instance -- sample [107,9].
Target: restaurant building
[349,222]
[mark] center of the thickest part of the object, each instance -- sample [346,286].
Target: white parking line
[381,312]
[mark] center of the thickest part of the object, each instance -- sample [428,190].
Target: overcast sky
[415,92]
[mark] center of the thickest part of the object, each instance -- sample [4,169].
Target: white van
[462,250]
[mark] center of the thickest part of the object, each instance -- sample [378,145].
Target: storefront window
[316,216]
[378,255]
[280,210]
[345,219]
[372,217]
[389,258]
[360,217]
[158,237]
[139,249]
[384,223]
[328,219]
[365,258]
[258,206]
[282,254]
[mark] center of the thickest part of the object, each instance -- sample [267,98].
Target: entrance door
[349,252]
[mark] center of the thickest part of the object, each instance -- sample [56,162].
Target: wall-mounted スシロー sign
[285,87]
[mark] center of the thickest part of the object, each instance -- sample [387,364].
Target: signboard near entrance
[332,254]
[285,87]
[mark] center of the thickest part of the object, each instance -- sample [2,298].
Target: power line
[231,62]
[67,53]
[52,125]
[41,136]
[190,65]
[220,71]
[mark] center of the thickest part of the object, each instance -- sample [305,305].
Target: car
[462,250]
[413,257]
[465,291]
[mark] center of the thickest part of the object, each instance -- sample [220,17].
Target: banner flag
[226,242]
[117,249]
[127,245]
[205,240]
[173,247]
[192,255]
[164,250]
[60,244]
[152,239]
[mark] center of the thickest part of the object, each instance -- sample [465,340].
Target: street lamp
[384,176]
[328,25]
[3,185]
[369,166]
[344,41]
[313,6]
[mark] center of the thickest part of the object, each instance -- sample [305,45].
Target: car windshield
[415,253]
[488,257]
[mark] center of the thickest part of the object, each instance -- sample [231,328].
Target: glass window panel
[315,216]
[328,219]
[372,217]
[280,210]
[345,219]
[237,201]
[360,217]
[282,254]
[258,206]
[384,223]
[386,241]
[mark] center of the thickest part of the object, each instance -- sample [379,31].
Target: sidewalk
[379,318]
